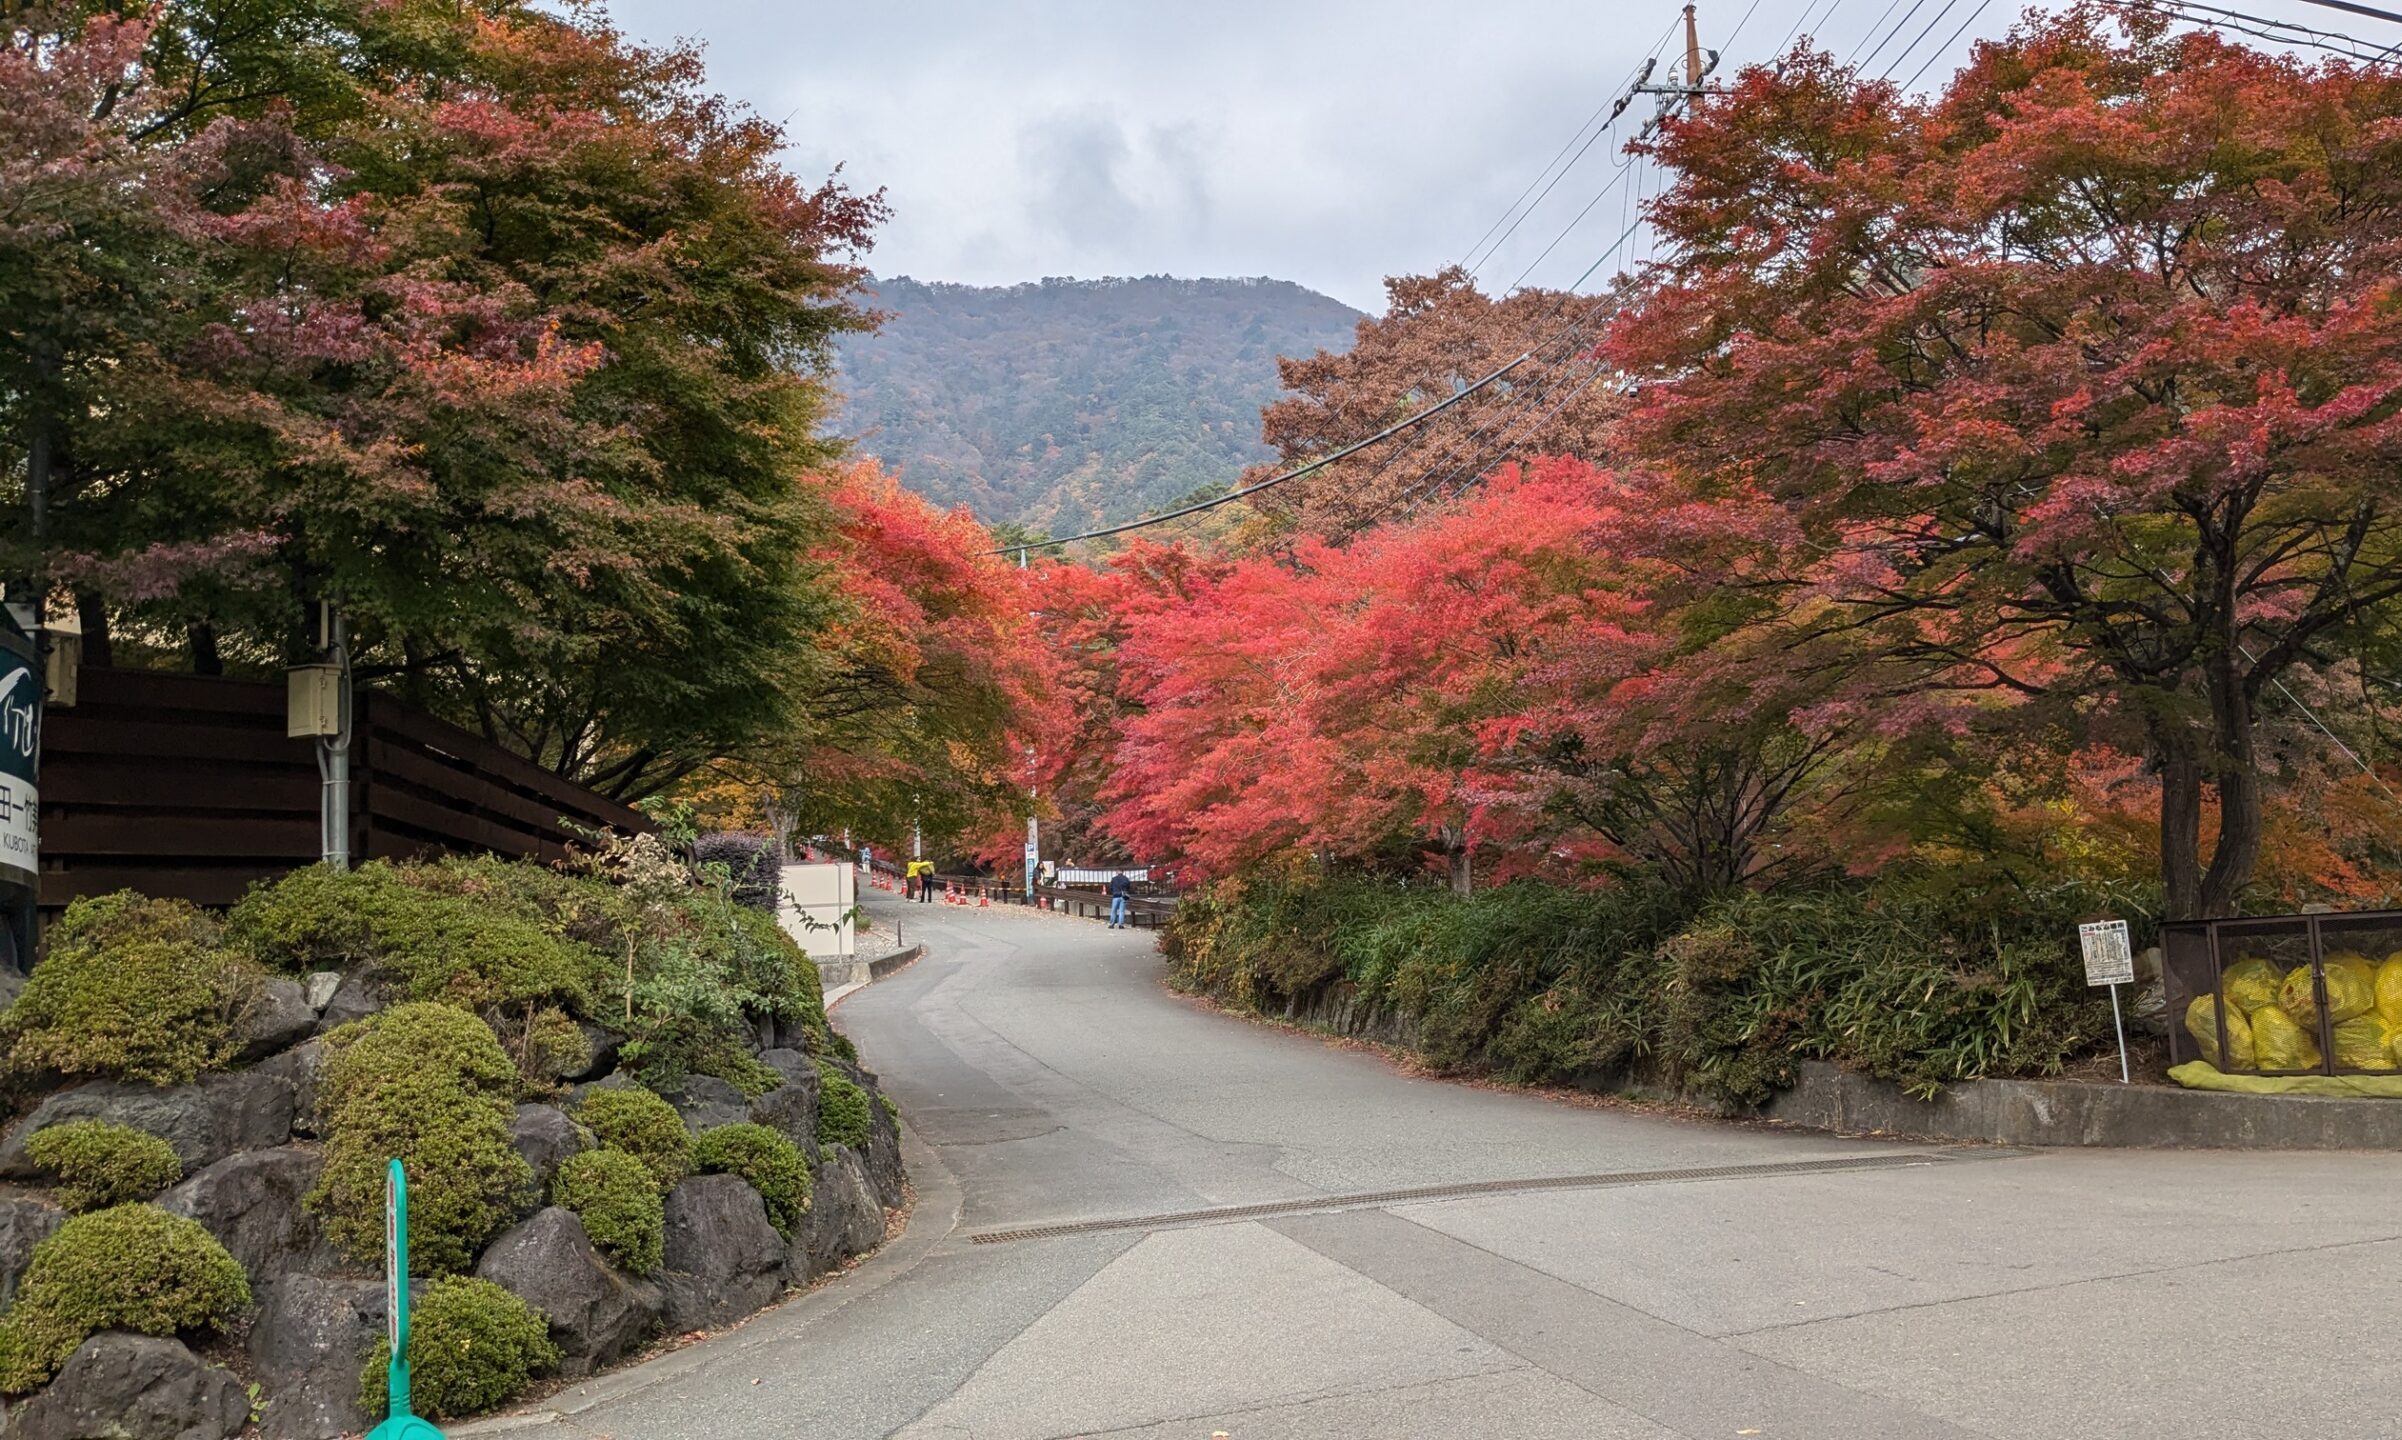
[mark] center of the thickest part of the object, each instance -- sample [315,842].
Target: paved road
[1726,1281]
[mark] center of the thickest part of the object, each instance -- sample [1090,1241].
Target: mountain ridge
[1062,403]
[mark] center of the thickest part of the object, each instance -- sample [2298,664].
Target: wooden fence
[186,785]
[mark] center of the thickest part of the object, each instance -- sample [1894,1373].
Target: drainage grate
[1606,1180]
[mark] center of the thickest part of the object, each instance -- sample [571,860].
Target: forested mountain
[1074,402]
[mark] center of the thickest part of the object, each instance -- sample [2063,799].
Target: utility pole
[1699,64]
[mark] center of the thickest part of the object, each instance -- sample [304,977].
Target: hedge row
[1901,978]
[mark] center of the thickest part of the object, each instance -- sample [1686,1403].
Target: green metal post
[399,1422]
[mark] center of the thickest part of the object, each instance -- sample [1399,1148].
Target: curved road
[1218,1248]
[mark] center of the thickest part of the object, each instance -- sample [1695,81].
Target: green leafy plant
[99,1165]
[842,1114]
[644,1126]
[430,1085]
[472,1346]
[134,1267]
[617,1198]
[131,989]
[772,1164]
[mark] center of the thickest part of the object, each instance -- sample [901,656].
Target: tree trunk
[2235,773]
[205,660]
[93,616]
[1455,858]
[2180,764]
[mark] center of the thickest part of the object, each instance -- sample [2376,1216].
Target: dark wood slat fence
[186,785]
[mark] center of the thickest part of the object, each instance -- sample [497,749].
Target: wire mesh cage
[2286,994]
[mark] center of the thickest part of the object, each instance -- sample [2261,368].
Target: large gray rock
[354,1000]
[545,1137]
[278,1017]
[792,1106]
[843,1220]
[723,1259]
[134,1387]
[251,1203]
[596,1314]
[24,1223]
[706,1102]
[883,1157]
[601,1046]
[303,1067]
[308,1343]
[321,987]
[205,1121]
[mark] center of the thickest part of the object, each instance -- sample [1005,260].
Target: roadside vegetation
[1929,566]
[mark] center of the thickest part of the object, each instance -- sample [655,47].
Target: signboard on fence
[820,909]
[20,754]
[2109,955]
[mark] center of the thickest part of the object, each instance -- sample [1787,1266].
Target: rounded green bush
[645,1127]
[99,1164]
[132,989]
[613,1193]
[430,932]
[772,1164]
[472,1346]
[134,1267]
[430,1085]
[842,1114]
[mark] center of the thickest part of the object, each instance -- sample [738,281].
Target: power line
[2282,32]
[1949,41]
[1231,496]
[1634,76]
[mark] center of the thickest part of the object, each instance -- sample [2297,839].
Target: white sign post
[2110,960]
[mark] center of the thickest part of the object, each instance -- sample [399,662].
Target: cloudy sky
[1325,141]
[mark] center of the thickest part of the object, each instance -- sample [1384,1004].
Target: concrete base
[1996,1112]
[2079,1112]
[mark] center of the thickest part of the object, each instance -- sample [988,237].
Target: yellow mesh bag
[2249,984]
[2280,1043]
[2202,1022]
[2363,1043]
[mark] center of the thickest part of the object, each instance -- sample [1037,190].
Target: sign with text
[20,752]
[2109,956]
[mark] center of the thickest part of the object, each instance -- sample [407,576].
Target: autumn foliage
[2007,489]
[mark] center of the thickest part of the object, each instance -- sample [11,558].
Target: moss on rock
[430,1085]
[842,1113]
[131,989]
[645,1127]
[134,1267]
[99,1164]
[772,1164]
[472,1346]
[615,1196]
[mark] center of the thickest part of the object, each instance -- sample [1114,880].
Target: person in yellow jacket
[921,878]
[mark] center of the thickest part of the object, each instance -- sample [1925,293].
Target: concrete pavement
[1141,1218]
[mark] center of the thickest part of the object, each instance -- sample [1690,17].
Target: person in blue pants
[1119,888]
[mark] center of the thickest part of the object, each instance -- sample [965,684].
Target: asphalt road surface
[1141,1218]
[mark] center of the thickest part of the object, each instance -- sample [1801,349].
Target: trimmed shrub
[426,930]
[615,1196]
[754,865]
[99,1165]
[645,1127]
[1913,977]
[472,1346]
[132,989]
[134,1267]
[842,1115]
[772,1164]
[430,1085]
